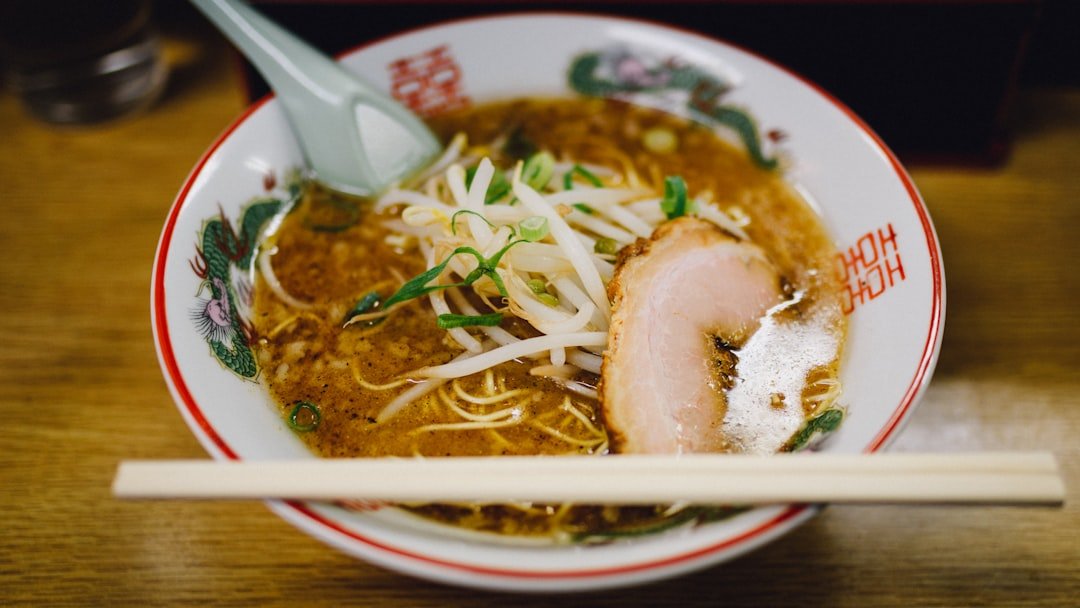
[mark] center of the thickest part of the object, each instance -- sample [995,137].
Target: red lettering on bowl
[869,268]
[429,83]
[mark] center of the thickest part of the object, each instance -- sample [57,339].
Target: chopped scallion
[675,203]
[660,140]
[822,424]
[365,304]
[304,417]
[606,246]
[453,219]
[548,299]
[451,321]
[533,228]
[568,178]
[538,170]
[418,285]
[498,188]
[582,207]
[537,285]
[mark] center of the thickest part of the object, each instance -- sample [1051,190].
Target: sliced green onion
[822,424]
[493,261]
[418,285]
[537,285]
[539,288]
[453,219]
[582,207]
[660,140]
[606,246]
[304,417]
[365,304]
[568,178]
[538,170]
[533,228]
[675,204]
[488,266]
[451,321]
[498,188]
[548,299]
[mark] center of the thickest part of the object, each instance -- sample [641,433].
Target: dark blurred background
[935,78]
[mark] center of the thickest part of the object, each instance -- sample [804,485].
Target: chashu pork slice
[681,300]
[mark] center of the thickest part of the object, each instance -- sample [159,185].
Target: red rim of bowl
[918,382]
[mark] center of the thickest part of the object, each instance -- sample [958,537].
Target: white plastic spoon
[356,139]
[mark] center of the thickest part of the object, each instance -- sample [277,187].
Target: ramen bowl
[889,265]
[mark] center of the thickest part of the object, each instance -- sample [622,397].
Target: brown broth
[306,354]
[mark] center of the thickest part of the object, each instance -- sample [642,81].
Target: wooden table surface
[81,390]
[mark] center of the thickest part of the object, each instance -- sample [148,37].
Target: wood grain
[80,390]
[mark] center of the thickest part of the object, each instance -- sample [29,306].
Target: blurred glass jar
[81,62]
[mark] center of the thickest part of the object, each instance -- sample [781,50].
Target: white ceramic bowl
[890,259]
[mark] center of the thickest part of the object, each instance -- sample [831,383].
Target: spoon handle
[355,137]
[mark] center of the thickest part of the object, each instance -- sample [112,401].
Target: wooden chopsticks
[974,478]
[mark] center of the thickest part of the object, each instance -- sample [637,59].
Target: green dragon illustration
[630,74]
[224,260]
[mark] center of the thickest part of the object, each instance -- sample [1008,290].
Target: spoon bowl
[356,139]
